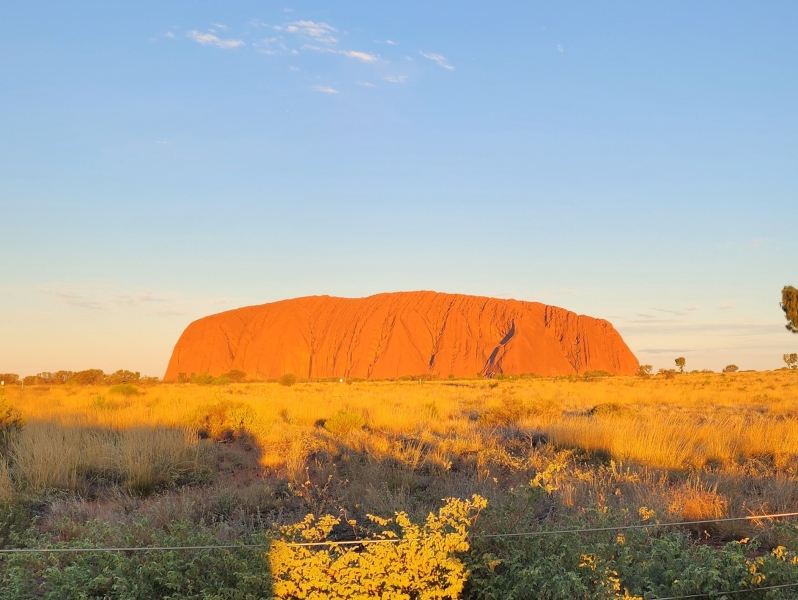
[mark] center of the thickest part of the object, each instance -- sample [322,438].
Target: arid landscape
[445,300]
[230,463]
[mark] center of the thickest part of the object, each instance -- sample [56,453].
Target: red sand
[402,333]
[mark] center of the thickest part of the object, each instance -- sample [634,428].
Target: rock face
[395,334]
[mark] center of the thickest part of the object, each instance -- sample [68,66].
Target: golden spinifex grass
[693,446]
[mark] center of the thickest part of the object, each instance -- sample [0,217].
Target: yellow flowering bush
[418,562]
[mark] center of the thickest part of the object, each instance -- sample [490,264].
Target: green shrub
[124,389]
[203,378]
[287,379]
[228,573]
[235,375]
[343,423]
[635,563]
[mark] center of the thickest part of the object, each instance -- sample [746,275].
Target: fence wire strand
[484,536]
[396,540]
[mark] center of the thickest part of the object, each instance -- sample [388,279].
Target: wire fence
[64,550]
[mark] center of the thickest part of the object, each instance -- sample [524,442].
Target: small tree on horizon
[680,362]
[791,360]
[789,304]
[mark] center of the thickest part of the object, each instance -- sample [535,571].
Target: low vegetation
[132,464]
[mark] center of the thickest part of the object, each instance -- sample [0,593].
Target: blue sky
[635,161]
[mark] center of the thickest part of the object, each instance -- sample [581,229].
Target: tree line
[87,377]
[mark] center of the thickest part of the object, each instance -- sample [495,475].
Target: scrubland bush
[344,422]
[201,378]
[124,389]
[223,421]
[46,457]
[287,379]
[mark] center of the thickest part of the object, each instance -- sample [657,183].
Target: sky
[162,161]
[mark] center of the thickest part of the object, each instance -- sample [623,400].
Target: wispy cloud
[560,48]
[391,43]
[363,56]
[321,32]
[396,78]
[440,60]
[365,84]
[209,39]
[220,26]
[105,298]
[726,306]
[324,89]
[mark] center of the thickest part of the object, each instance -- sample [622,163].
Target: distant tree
[287,379]
[87,377]
[791,360]
[789,304]
[182,378]
[680,362]
[9,378]
[122,376]
[731,369]
[644,370]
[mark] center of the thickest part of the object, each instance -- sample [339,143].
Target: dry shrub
[344,422]
[124,389]
[6,484]
[223,421]
[45,456]
[696,501]
[151,458]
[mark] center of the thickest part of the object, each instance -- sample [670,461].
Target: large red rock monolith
[402,333]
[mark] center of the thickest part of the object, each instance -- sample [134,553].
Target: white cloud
[391,43]
[396,78]
[169,34]
[208,39]
[366,84]
[440,60]
[220,26]
[321,32]
[294,69]
[363,56]
[324,89]
[560,48]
